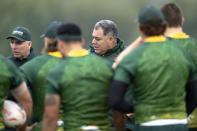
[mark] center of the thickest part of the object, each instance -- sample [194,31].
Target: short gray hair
[109,28]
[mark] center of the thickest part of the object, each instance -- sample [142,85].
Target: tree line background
[36,14]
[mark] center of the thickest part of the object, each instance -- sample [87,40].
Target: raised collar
[120,44]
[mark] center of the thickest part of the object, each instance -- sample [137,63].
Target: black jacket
[19,62]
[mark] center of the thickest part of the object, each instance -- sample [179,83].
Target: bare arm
[119,121]
[52,103]
[131,47]
[23,96]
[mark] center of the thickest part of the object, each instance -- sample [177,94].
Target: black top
[20,62]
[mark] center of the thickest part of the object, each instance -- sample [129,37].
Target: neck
[172,30]
[25,56]
[71,47]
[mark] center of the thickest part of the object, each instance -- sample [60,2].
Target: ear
[29,43]
[111,39]
[59,44]
[183,20]
[83,42]
[45,41]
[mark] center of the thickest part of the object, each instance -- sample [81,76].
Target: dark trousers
[192,129]
[8,129]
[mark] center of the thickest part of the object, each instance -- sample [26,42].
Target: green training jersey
[35,72]
[159,71]
[187,43]
[82,81]
[10,78]
[190,46]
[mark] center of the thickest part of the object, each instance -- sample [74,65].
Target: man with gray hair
[107,45]
[105,40]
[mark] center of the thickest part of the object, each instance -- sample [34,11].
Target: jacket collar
[29,57]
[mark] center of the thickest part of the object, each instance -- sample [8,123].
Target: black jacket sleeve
[191,96]
[116,97]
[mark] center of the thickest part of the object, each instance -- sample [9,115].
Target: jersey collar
[181,35]
[159,38]
[56,54]
[77,53]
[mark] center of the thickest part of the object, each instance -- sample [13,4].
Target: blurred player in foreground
[153,68]
[36,70]
[80,83]
[11,79]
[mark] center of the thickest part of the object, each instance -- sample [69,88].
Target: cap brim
[42,36]
[15,37]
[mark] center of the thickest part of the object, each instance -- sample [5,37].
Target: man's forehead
[98,32]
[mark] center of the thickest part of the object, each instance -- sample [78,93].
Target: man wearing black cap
[36,70]
[20,43]
[159,71]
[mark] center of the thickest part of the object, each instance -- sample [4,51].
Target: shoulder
[131,61]
[99,59]
[8,65]
[7,61]
[137,52]
[11,57]
[36,62]
[37,59]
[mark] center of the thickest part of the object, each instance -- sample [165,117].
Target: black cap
[20,33]
[148,13]
[51,29]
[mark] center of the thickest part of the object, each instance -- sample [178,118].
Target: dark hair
[152,29]
[172,14]
[69,32]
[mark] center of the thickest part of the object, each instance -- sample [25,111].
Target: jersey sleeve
[16,76]
[122,74]
[193,72]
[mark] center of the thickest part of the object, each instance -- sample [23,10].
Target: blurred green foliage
[36,14]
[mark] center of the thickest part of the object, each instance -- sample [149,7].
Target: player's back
[84,92]
[189,44]
[160,72]
[35,72]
